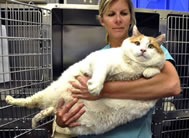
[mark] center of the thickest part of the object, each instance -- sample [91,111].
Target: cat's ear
[160,39]
[135,31]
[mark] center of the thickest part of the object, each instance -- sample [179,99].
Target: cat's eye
[150,46]
[137,43]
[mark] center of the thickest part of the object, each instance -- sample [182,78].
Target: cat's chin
[141,59]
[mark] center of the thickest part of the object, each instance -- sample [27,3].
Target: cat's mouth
[142,55]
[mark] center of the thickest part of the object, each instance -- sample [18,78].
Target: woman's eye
[124,13]
[150,46]
[111,14]
[137,43]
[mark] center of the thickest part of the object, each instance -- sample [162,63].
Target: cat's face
[142,48]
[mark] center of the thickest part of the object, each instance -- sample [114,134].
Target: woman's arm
[166,83]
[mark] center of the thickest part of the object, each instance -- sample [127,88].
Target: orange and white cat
[139,56]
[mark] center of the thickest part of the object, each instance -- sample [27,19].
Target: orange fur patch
[156,45]
[152,41]
[136,38]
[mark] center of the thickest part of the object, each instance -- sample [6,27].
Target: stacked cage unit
[25,63]
[171,119]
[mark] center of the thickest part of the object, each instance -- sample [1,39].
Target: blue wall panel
[178,5]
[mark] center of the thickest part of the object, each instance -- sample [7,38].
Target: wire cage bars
[25,64]
[171,119]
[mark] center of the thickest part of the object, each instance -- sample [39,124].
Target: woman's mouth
[118,28]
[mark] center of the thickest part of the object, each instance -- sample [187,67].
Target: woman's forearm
[164,84]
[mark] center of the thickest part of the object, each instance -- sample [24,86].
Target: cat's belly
[109,115]
[123,76]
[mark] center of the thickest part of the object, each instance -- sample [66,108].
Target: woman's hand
[67,117]
[80,90]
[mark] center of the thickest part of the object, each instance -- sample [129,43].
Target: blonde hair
[104,5]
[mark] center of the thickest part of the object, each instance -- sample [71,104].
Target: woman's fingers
[77,113]
[64,114]
[75,85]
[69,105]
[83,80]
[70,115]
[79,96]
[74,91]
[74,124]
[59,113]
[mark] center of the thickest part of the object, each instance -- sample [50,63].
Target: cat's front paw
[9,99]
[94,88]
[150,72]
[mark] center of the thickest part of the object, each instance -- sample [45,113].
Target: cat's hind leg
[29,102]
[42,114]
[17,101]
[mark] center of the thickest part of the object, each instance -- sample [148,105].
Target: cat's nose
[143,50]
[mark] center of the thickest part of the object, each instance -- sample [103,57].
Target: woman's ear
[101,20]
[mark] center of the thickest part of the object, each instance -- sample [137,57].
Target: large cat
[139,56]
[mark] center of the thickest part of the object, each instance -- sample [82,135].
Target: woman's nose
[118,19]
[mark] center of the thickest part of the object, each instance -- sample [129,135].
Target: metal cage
[171,119]
[25,64]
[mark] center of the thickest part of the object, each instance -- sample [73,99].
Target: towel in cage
[4,59]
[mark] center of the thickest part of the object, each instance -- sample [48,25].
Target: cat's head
[143,49]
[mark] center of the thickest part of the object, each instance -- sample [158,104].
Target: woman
[117,17]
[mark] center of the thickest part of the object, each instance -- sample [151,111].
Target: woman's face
[116,20]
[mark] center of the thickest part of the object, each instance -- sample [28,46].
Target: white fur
[124,63]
